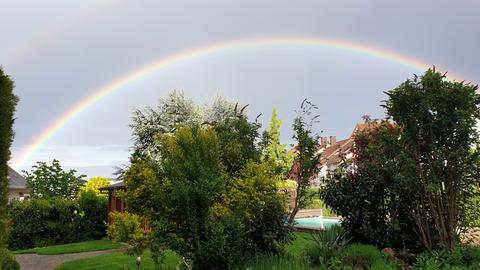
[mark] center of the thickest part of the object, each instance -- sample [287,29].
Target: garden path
[49,262]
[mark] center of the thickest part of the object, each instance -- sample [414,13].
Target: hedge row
[41,222]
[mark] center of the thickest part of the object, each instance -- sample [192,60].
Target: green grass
[93,245]
[297,246]
[116,261]
[120,260]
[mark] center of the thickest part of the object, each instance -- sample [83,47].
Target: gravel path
[49,262]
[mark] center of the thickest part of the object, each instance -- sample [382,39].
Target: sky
[61,52]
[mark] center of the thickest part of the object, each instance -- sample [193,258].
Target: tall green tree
[374,196]
[8,101]
[51,181]
[438,118]
[274,151]
[308,156]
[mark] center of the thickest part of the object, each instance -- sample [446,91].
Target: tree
[51,181]
[221,108]
[308,157]
[8,101]
[191,177]
[273,150]
[94,183]
[438,119]
[373,195]
[237,138]
[148,124]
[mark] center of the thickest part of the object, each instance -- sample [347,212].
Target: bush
[223,248]
[327,245]
[41,222]
[7,260]
[374,200]
[126,227]
[461,257]
[93,214]
[366,257]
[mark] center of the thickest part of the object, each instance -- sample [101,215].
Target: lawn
[93,245]
[121,261]
[117,261]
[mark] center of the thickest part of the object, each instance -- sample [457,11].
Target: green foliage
[190,179]
[126,227]
[308,157]
[273,150]
[471,216]
[51,181]
[253,196]
[77,247]
[140,181]
[268,262]
[149,123]
[438,120]
[93,184]
[237,140]
[374,199]
[93,210]
[7,260]
[118,261]
[361,255]
[41,222]
[8,101]
[326,246]
[205,190]
[461,257]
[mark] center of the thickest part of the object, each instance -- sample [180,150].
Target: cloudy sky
[61,52]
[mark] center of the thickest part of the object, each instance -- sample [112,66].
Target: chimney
[324,141]
[333,140]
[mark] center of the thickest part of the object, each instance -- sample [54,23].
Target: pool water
[315,222]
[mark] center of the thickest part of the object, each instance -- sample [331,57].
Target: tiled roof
[15,180]
[119,185]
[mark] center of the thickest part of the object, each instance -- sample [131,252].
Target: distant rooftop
[15,180]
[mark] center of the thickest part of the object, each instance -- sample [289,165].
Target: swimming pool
[315,222]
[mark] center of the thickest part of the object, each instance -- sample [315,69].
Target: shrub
[42,222]
[326,245]
[361,256]
[93,213]
[374,200]
[126,227]
[7,260]
[129,228]
[461,257]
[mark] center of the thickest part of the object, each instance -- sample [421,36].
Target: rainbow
[20,52]
[197,52]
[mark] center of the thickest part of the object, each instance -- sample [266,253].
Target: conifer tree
[8,101]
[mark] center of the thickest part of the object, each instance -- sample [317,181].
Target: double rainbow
[197,52]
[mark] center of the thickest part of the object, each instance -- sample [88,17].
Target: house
[333,154]
[17,186]
[115,204]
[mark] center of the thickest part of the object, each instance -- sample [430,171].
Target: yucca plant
[326,245]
